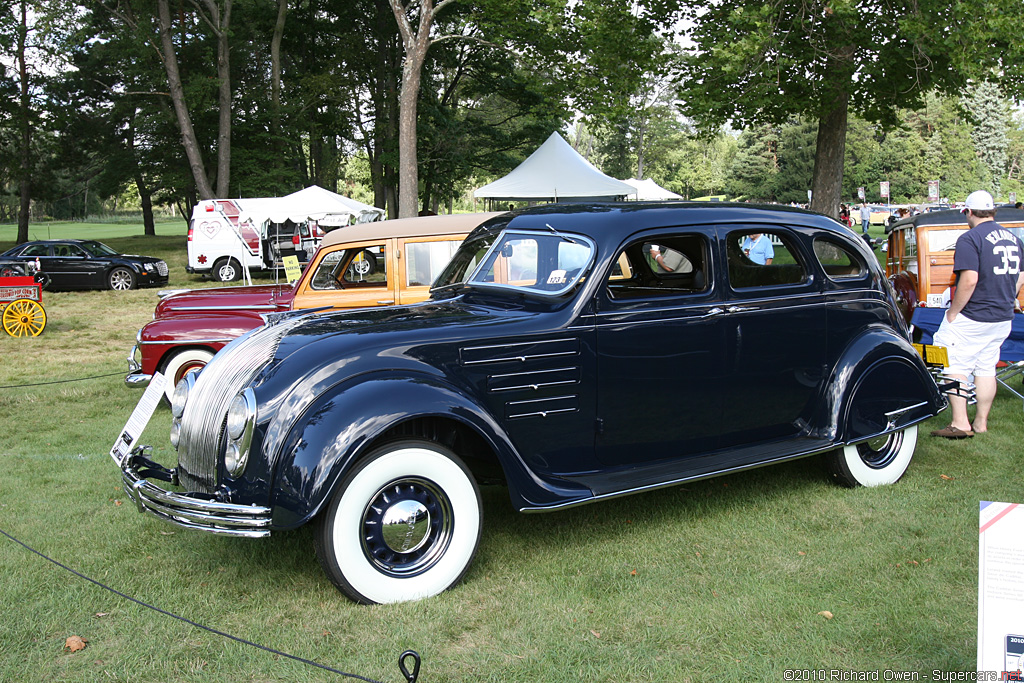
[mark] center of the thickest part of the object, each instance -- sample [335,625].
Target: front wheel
[403,525]
[875,462]
[121,279]
[178,365]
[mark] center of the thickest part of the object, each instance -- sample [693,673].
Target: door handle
[711,312]
[385,303]
[740,309]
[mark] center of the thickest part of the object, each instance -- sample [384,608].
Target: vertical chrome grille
[202,424]
[161,267]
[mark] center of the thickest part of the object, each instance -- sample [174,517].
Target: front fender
[342,425]
[159,337]
[880,384]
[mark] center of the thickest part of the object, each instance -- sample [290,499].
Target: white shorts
[972,347]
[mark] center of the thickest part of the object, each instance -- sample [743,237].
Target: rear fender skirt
[880,385]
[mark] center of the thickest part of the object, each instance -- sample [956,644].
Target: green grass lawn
[724,580]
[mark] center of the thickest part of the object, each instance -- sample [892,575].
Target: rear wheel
[178,365]
[875,462]
[403,525]
[226,270]
[121,279]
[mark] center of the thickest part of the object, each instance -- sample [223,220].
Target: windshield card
[139,419]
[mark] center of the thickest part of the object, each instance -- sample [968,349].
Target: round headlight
[175,433]
[179,397]
[233,459]
[239,413]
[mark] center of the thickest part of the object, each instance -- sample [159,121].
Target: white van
[226,236]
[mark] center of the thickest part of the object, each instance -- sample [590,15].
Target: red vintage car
[370,264]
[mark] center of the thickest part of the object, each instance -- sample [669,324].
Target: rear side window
[425,260]
[838,261]
[763,258]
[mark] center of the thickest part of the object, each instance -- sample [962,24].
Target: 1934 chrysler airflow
[564,354]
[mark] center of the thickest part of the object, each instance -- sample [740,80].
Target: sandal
[952,432]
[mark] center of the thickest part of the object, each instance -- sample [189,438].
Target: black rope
[410,677]
[59,381]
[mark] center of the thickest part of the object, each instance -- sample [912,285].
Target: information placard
[1001,590]
[139,418]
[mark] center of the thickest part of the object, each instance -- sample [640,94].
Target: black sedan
[85,264]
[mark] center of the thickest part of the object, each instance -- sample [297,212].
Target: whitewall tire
[403,525]
[178,365]
[876,462]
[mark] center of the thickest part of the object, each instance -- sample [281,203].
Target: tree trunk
[827,180]
[408,171]
[188,134]
[25,122]
[221,22]
[275,68]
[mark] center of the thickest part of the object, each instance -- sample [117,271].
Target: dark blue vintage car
[574,353]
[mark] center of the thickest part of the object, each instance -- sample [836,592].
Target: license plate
[139,419]
[933,355]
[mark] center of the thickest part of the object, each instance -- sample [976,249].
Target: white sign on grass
[1001,589]
[139,418]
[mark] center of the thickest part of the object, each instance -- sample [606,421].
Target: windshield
[97,248]
[547,263]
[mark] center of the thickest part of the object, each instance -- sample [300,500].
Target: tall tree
[416,40]
[766,61]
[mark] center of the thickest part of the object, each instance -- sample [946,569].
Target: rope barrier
[59,381]
[410,676]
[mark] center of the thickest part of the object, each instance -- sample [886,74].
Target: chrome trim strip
[535,387]
[226,519]
[521,359]
[260,307]
[212,340]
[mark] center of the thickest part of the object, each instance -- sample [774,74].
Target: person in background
[987,263]
[865,218]
[758,248]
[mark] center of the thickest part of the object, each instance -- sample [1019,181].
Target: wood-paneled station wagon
[367,264]
[561,354]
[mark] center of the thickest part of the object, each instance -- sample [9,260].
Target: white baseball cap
[978,201]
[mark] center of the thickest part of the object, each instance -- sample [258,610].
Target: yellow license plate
[933,355]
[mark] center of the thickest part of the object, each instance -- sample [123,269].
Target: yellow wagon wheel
[24,318]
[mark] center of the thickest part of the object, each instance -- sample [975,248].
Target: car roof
[604,221]
[954,218]
[418,226]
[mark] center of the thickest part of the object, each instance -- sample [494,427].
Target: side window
[354,267]
[910,250]
[762,259]
[838,262]
[662,266]
[424,261]
[37,250]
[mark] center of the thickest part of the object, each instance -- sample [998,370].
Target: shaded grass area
[722,579]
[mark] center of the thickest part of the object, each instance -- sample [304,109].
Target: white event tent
[312,203]
[648,190]
[555,172]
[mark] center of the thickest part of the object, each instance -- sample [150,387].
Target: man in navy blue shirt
[989,275]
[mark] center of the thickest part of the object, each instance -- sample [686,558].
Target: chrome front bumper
[191,510]
[136,379]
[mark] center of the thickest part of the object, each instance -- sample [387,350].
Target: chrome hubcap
[407,527]
[880,451]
